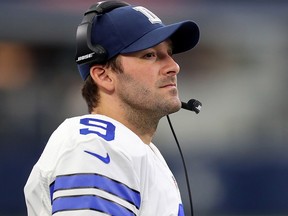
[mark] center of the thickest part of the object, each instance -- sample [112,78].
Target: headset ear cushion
[86,53]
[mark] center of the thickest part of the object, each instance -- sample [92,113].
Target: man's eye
[149,55]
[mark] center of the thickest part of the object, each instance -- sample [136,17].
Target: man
[105,163]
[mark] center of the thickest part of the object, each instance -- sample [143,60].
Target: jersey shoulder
[92,131]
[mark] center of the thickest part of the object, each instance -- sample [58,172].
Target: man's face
[148,82]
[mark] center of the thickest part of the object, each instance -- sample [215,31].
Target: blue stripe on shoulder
[96,181]
[52,191]
[181,210]
[89,202]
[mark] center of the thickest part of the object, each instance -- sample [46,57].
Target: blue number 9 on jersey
[103,129]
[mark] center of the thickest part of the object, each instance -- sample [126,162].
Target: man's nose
[170,66]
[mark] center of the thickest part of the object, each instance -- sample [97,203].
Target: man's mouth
[168,85]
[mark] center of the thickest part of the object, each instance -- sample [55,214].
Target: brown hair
[90,89]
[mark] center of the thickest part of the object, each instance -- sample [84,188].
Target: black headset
[86,52]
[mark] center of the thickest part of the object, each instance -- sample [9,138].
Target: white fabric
[76,176]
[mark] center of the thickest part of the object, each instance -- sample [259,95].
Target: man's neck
[144,125]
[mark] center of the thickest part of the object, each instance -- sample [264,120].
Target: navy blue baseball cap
[133,28]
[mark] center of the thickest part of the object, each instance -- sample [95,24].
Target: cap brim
[184,36]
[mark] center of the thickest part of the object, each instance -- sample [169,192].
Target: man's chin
[175,106]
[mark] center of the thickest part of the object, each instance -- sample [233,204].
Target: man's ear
[102,76]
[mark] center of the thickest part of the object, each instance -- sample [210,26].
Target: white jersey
[93,165]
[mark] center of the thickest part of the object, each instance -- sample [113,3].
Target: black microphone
[192,105]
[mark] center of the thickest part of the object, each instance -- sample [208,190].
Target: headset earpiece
[87,52]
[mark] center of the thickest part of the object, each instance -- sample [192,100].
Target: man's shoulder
[92,127]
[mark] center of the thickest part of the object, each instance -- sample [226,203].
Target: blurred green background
[235,149]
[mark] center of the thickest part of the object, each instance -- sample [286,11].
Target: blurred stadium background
[235,149]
